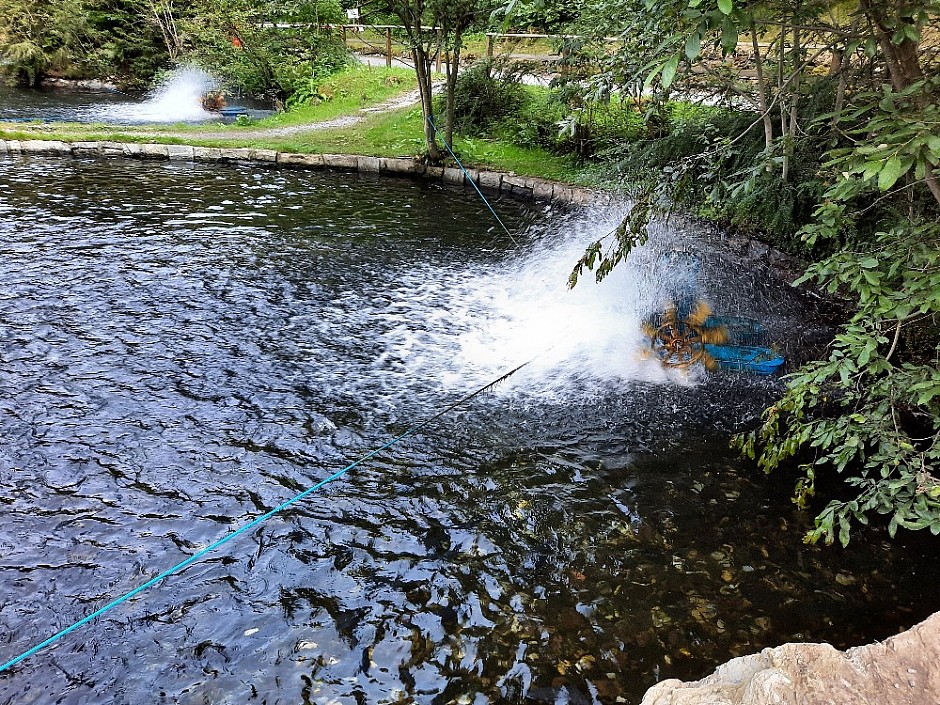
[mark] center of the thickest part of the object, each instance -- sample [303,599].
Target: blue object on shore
[232,111]
[746,358]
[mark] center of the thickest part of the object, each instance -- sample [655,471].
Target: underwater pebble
[659,617]
[585,662]
[845,579]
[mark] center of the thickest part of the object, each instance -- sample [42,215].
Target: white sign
[352,13]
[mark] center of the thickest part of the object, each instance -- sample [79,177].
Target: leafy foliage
[871,411]
[133,40]
[238,40]
[40,36]
[862,145]
[484,95]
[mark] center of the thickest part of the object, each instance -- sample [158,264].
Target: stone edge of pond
[524,187]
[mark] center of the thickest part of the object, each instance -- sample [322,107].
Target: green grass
[397,133]
[355,87]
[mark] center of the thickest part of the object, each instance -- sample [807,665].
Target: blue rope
[470,179]
[252,524]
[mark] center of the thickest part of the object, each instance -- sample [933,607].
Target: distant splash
[178,98]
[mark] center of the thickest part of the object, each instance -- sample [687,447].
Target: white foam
[580,341]
[178,98]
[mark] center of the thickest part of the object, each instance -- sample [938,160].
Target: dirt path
[401,101]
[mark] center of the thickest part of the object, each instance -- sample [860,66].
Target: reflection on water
[184,347]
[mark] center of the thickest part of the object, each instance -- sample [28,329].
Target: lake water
[184,347]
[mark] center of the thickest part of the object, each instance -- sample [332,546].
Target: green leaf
[889,173]
[868,263]
[669,71]
[729,36]
[725,6]
[693,46]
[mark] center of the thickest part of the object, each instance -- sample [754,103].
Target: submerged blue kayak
[747,358]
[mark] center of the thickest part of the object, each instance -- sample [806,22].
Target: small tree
[432,27]
[37,36]
[238,40]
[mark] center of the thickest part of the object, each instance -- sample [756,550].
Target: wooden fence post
[489,46]
[388,47]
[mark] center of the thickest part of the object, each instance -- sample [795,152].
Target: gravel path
[401,101]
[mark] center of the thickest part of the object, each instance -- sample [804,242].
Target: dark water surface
[54,104]
[183,348]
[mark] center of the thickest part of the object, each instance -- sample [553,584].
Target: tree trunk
[163,12]
[453,65]
[795,89]
[762,92]
[902,60]
[904,68]
[782,98]
[422,61]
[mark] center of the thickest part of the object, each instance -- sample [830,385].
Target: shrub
[485,94]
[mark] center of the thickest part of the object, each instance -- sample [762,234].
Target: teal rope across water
[252,524]
[471,181]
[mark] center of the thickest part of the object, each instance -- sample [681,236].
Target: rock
[901,670]
[154,151]
[268,156]
[300,160]
[83,149]
[490,180]
[452,175]
[543,190]
[236,154]
[370,165]
[119,149]
[45,147]
[89,84]
[207,154]
[180,152]
[398,165]
[341,161]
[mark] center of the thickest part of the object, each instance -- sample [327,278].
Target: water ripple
[183,348]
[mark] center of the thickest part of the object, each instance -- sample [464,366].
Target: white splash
[577,341]
[178,98]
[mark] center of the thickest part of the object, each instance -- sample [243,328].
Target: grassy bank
[366,110]
[364,94]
